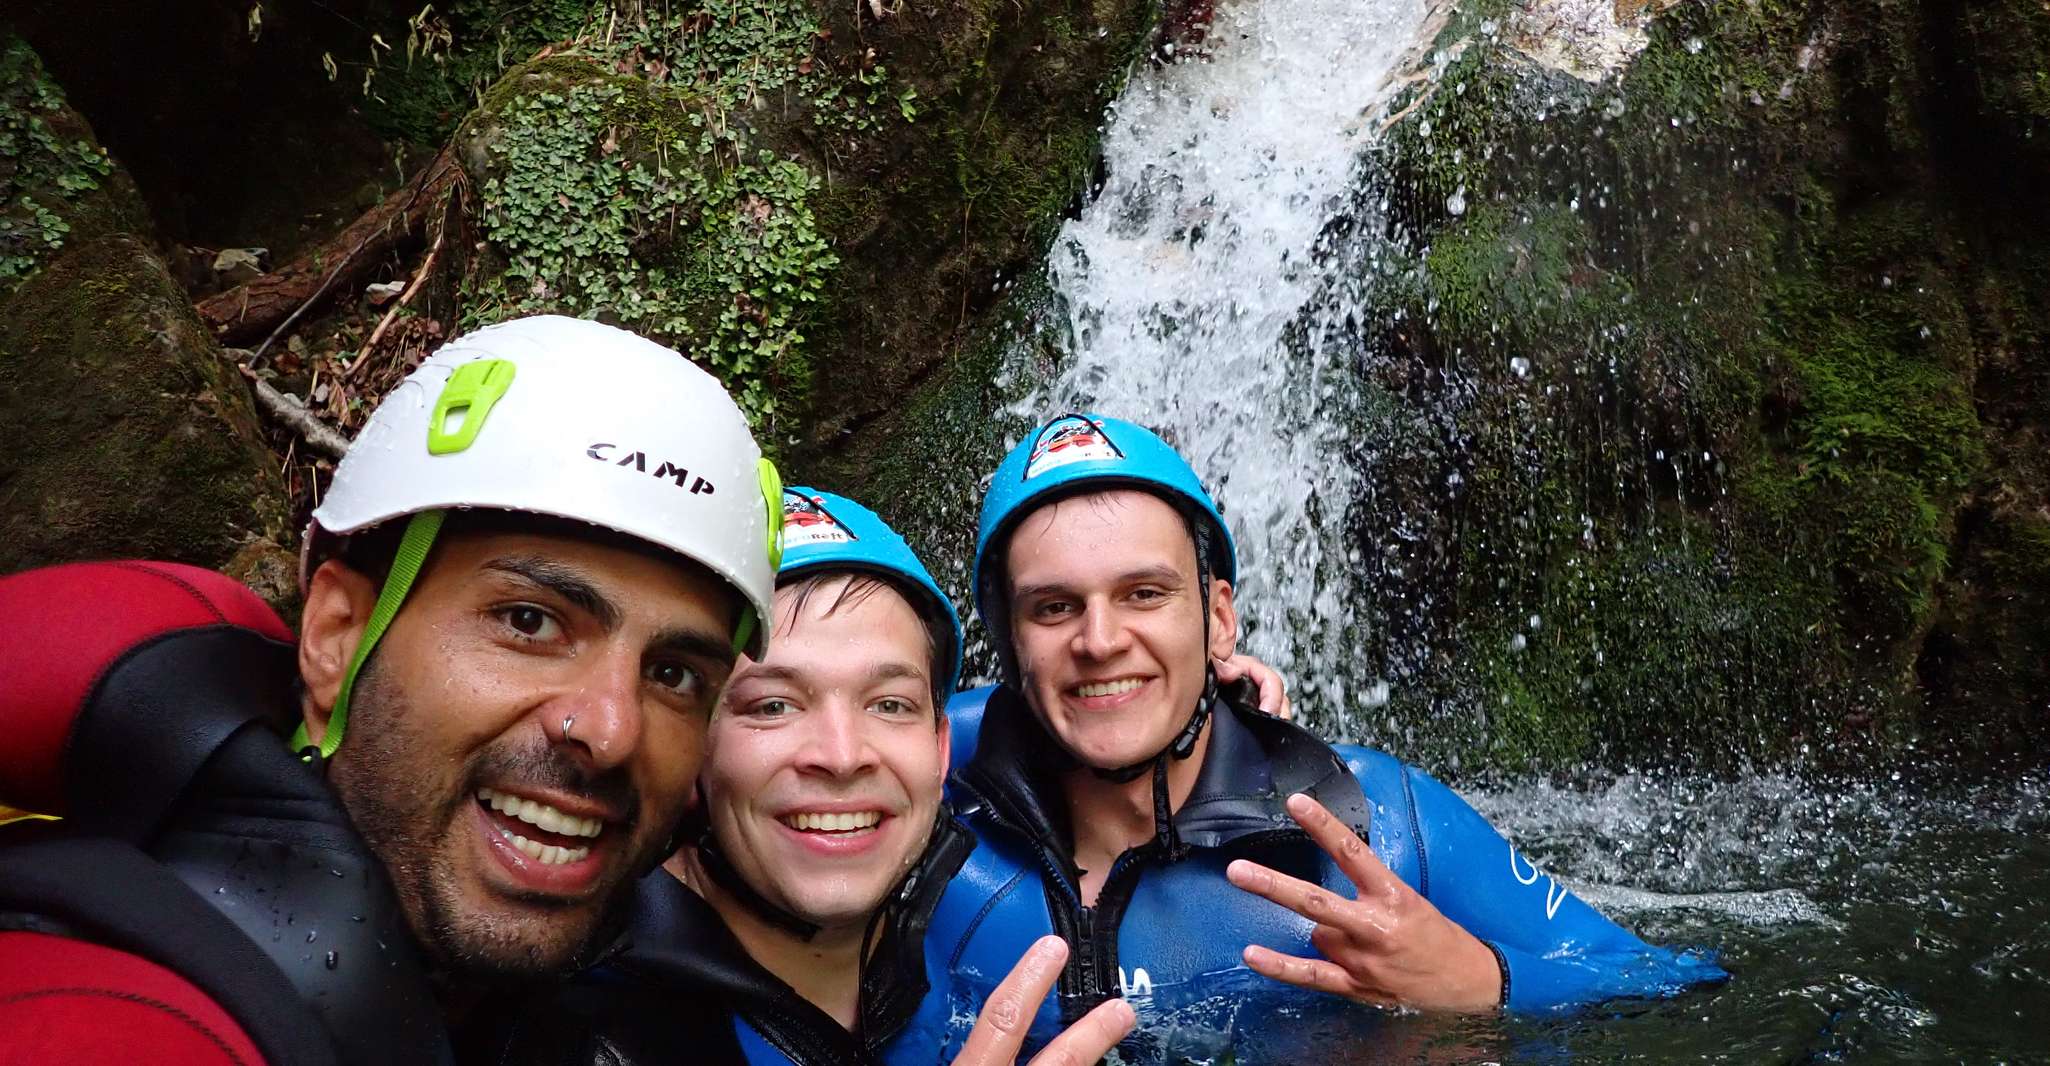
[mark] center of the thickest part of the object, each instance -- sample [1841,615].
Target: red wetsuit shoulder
[71,1001]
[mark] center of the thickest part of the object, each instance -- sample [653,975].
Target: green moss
[1886,438]
[49,167]
[608,196]
[1524,271]
[1719,64]
[653,172]
[1711,387]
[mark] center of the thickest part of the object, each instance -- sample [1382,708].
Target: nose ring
[568,721]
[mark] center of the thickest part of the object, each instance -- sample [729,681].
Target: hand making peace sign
[1390,946]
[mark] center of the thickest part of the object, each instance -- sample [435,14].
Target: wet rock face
[123,431]
[1720,313]
[1589,39]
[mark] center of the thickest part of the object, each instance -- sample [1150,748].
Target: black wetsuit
[195,839]
[679,988]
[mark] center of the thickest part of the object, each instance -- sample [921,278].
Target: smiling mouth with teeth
[1109,688]
[821,822]
[547,821]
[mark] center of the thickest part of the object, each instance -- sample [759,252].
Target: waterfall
[1191,296]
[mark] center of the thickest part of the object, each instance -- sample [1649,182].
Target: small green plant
[46,172]
[684,234]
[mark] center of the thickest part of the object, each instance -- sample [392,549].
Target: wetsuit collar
[679,940]
[1252,763]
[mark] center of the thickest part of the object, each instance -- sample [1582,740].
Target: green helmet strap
[772,501]
[414,545]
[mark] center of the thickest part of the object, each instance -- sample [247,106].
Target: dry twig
[419,281]
[289,411]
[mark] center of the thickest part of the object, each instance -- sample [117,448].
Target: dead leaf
[804,65]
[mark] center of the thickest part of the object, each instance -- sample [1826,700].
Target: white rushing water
[1182,293]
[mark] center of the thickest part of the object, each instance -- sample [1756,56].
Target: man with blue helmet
[792,929]
[1118,798]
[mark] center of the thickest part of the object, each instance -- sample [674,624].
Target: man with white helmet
[524,590]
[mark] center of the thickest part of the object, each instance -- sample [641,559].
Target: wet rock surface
[1738,360]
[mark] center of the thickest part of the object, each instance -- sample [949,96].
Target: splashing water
[1180,292]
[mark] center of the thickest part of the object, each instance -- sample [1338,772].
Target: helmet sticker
[806,521]
[1073,439]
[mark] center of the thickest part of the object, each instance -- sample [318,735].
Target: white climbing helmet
[576,419]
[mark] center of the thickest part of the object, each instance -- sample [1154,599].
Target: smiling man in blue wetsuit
[1121,803]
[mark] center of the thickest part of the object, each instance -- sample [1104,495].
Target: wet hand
[1273,694]
[1390,946]
[1001,1027]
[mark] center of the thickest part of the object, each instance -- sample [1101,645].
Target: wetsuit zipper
[1090,977]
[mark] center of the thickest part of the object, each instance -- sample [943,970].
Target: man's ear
[1224,620]
[338,605]
[946,745]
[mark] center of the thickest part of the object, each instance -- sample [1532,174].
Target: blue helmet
[824,531]
[1078,453]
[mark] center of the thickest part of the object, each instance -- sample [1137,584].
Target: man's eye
[530,622]
[770,708]
[678,678]
[1050,609]
[895,707]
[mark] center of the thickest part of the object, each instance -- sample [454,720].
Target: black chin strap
[1184,742]
[727,878]
[941,848]
[1181,747]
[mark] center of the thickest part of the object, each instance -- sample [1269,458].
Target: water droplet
[1455,204]
[1694,46]
[334,959]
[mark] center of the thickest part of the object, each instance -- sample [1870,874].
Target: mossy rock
[1747,382]
[811,202]
[123,430]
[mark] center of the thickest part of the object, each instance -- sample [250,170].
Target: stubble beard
[407,806]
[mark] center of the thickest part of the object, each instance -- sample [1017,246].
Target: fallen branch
[267,305]
[419,281]
[289,411]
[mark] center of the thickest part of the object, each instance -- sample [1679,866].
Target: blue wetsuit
[1168,930]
